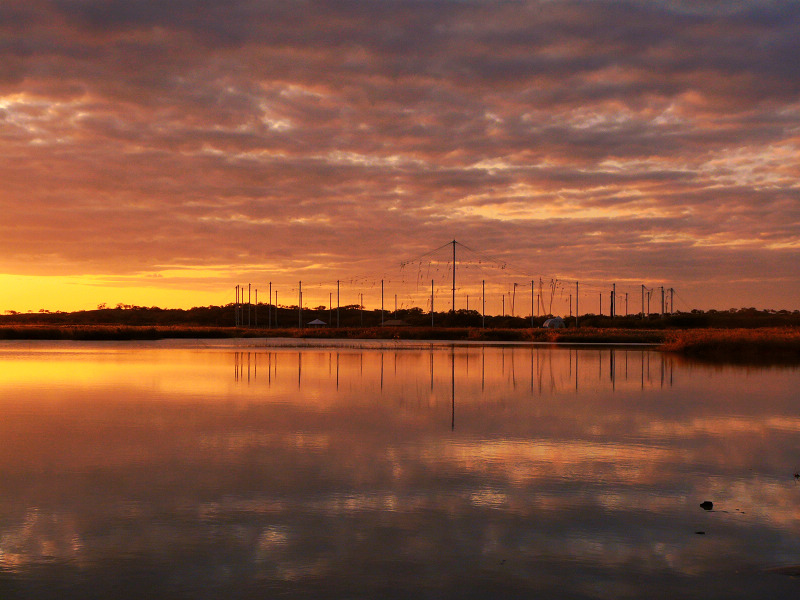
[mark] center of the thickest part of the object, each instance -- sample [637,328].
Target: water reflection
[551,370]
[407,471]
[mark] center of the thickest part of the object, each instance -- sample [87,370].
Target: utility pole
[601,304]
[361,306]
[662,301]
[337,303]
[276,309]
[395,306]
[504,305]
[381,302]
[300,307]
[256,309]
[248,304]
[330,308]
[576,305]
[626,304]
[269,306]
[671,300]
[236,308]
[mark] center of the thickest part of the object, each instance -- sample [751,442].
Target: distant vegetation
[352,316]
[744,336]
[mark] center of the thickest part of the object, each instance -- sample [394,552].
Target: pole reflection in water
[550,370]
[453,387]
[149,471]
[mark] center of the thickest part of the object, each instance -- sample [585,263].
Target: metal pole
[361,306]
[269,313]
[236,308]
[613,300]
[300,306]
[454,276]
[248,305]
[255,311]
[576,305]
[513,300]
[330,308]
[381,302]
[642,302]
[276,309]
[483,304]
[337,303]
[541,296]
[532,294]
[431,302]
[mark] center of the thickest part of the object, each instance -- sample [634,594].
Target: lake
[233,469]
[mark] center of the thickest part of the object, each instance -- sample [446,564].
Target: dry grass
[758,346]
[765,345]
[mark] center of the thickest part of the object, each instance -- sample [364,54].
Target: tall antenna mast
[454,276]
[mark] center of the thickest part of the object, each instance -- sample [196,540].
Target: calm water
[174,470]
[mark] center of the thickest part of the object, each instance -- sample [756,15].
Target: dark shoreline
[157,332]
[764,346]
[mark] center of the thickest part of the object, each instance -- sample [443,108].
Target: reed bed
[760,346]
[765,345]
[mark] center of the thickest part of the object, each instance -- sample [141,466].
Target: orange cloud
[593,141]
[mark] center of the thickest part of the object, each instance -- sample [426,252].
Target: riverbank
[760,346]
[131,332]
[744,346]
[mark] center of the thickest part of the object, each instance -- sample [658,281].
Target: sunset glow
[160,156]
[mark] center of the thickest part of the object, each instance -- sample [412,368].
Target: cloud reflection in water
[438,471]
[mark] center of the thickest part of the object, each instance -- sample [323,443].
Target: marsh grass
[776,345]
[752,346]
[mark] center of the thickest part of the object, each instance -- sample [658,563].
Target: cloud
[588,134]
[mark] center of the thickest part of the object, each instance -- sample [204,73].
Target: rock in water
[707,505]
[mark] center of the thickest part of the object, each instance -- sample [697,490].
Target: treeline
[263,316]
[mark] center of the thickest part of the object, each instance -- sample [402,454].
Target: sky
[160,153]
